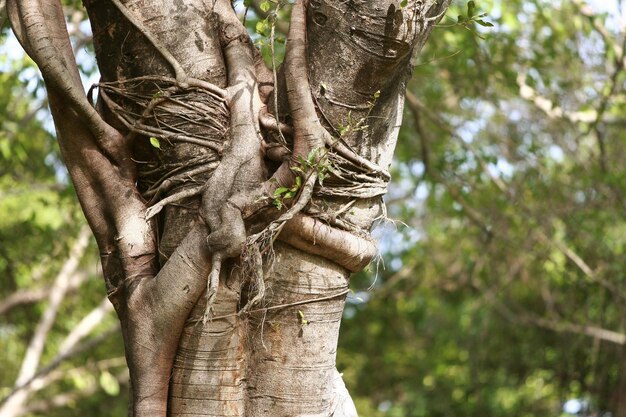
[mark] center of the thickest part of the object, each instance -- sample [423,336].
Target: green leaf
[483,23]
[312,156]
[302,319]
[109,384]
[265,6]
[470,8]
[5,148]
[403,3]
[280,191]
[155,142]
[261,26]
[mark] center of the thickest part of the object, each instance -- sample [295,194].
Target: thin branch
[599,26]
[35,348]
[554,111]
[580,263]
[33,295]
[566,327]
[40,379]
[278,307]
[560,326]
[85,326]
[88,368]
[57,294]
[472,214]
[576,259]
[548,107]
[67,398]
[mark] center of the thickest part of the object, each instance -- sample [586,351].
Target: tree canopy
[500,287]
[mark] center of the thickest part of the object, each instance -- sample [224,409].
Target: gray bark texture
[230,209]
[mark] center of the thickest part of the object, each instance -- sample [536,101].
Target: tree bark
[194,184]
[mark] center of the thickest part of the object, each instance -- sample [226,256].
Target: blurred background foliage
[501,288]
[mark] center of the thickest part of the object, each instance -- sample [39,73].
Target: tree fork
[277,358]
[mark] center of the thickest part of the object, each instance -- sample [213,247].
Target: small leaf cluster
[284,193]
[471,19]
[357,125]
[263,27]
[315,161]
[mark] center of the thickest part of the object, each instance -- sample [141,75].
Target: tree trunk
[197,177]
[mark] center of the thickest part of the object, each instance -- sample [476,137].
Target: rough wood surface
[200,206]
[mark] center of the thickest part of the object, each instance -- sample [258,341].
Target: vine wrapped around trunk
[199,176]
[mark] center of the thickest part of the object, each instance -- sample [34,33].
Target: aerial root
[212,285]
[255,267]
[181,195]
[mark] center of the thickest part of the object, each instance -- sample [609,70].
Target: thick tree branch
[40,27]
[99,164]
[240,170]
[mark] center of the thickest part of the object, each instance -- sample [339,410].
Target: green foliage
[360,124]
[262,26]
[516,221]
[39,221]
[285,193]
[471,19]
[315,162]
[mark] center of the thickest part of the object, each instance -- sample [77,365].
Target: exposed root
[269,121]
[347,153]
[281,306]
[189,192]
[254,266]
[169,111]
[212,284]
[313,236]
[167,183]
[180,74]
